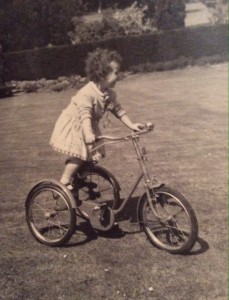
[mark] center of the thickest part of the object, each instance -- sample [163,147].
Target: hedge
[192,42]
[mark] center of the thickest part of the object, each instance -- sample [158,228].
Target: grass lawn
[187,150]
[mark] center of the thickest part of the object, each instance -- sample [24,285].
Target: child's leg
[72,165]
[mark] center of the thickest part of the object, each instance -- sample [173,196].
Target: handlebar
[147,128]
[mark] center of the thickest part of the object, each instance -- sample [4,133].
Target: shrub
[114,24]
[166,14]
[29,87]
[133,21]
[88,32]
[92,5]
[218,11]
[170,14]
[58,85]
[178,63]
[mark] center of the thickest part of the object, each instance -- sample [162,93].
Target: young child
[78,125]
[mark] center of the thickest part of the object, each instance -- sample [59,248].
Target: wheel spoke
[58,225]
[178,212]
[104,190]
[101,189]
[173,234]
[178,228]
[45,210]
[47,224]
[171,223]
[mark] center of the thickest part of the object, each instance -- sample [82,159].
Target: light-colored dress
[89,102]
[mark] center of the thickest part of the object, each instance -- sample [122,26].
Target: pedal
[99,207]
[96,208]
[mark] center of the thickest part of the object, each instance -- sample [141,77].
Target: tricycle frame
[165,215]
[143,173]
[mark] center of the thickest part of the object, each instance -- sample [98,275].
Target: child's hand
[89,147]
[137,127]
[89,138]
[96,156]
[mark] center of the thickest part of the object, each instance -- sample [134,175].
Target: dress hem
[72,154]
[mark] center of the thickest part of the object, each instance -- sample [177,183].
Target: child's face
[112,77]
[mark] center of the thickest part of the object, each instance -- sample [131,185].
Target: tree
[165,14]
[218,10]
[170,14]
[26,24]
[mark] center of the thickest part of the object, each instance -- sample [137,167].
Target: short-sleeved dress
[89,102]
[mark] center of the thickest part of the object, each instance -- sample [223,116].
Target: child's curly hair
[98,63]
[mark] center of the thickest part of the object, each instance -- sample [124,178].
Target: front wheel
[49,214]
[170,223]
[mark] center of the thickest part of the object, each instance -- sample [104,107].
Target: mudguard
[52,182]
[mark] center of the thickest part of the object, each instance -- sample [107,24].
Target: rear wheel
[172,224]
[96,186]
[49,214]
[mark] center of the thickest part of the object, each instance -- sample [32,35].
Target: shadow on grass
[200,247]
[129,211]
[85,233]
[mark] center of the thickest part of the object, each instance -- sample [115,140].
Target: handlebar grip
[150,125]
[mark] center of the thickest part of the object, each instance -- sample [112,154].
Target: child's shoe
[69,186]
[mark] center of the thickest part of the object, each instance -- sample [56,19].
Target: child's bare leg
[72,166]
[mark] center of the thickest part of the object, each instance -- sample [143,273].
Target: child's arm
[87,131]
[120,113]
[133,126]
[85,104]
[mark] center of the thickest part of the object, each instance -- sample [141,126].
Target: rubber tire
[72,224]
[192,216]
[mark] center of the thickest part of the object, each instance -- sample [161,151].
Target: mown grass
[188,150]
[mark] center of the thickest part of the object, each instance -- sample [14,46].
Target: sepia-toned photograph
[114,149]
